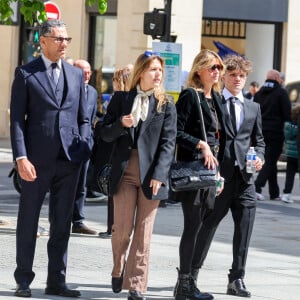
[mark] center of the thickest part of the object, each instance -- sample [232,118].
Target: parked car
[293,89]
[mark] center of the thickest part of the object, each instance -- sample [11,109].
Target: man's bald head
[86,67]
[274,75]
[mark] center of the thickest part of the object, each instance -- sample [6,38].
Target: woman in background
[120,83]
[291,151]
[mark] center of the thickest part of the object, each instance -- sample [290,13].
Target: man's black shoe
[105,235]
[93,194]
[238,288]
[23,290]
[163,203]
[62,291]
[135,295]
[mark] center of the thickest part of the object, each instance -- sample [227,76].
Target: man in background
[253,89]
[275,108]
[91,96]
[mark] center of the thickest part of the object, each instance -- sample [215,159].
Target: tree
[33,10]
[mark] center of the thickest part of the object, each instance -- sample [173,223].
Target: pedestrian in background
[291,151]
[253,89]
[91,98]
[243,129]
[51,138]
[275,108]
[205,78]
[120,83]
[142,123]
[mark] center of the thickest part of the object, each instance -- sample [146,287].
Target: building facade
[264,31]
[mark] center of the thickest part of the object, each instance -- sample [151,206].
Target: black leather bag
[191,175]
[104,173]
[103,179]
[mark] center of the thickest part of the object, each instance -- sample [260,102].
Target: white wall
[259,49]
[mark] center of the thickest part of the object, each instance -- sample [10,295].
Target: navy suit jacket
[40,125]
[92,96]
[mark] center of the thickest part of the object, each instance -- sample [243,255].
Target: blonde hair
[122,78]
[203,60]
[142,63]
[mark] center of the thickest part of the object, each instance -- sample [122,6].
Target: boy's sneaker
[287,198]
[260,197]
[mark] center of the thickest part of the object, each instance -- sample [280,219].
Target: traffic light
[155,23]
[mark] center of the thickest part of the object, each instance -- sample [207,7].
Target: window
[224,29]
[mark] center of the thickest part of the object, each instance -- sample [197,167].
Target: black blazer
[189,130]
[249,134]
[156,142]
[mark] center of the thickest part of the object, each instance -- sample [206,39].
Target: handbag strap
[201,116]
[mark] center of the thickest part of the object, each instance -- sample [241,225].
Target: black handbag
[104,174]
[192,175]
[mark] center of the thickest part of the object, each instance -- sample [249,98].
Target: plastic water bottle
[251,157]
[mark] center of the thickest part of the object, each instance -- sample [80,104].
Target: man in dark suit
[239,193]
[51,138]
[92,96]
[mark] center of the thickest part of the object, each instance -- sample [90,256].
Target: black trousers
[78,213]
[194,208]
[291,170]
[239,197]
[274,144]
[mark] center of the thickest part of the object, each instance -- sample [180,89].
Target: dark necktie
[54,76]
[232,113]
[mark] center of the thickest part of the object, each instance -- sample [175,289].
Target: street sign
[172,54]
[52,10]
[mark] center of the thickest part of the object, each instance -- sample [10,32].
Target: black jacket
[156,142]
[189,130]
[275,106]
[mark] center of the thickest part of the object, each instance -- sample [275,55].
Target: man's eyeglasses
[149,53]
[215,67]
[60,39]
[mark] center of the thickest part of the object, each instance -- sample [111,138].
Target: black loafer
[62,291]
[23,290]
[238,288]
[117,282]
[135,295]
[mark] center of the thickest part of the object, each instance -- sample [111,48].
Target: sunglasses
[149,53]
[216,67]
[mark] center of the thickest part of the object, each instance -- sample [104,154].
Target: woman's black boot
[194,274]
[185,289]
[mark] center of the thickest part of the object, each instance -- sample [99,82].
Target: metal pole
[168,11]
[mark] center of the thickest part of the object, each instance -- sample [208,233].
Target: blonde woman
[142,122]
[203,79]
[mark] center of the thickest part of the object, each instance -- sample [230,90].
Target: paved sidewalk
[273,268]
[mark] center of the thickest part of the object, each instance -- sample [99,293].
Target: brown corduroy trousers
[134,215]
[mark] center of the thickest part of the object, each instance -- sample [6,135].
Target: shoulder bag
[104,174]
[192,175]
